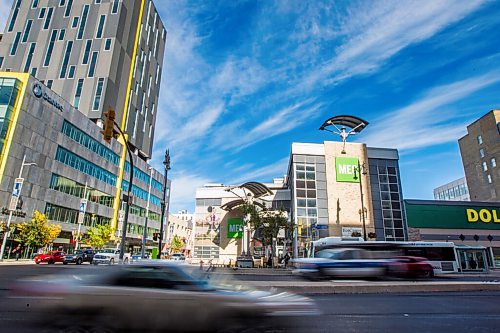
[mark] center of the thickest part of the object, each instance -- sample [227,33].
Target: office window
[62,32]
[86,53]
[493,162]
[481,152]
[144,124]
[69,186]
[78,93]
[489,179]
[50,48]
[114,9]
[29,57]
[49,84]
[34,4]
[153,109]
[71,73]
[97,1]
[479,139]
[48,18]
[107,44]
[67,12]
[100,27]
[98,93]
[485,166]
[93,61]
[27,30]
[15,44]
[33,71]
[157,73]
[1,61]
[135,123]
[14,15]
[62,2]
[150,130]
[42,13]
[67,53]
[83,22]
[74,24]
[150,84]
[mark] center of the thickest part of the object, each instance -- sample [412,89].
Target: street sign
[348,231]
[81,217]
[321,226]
[16,192]
[83,206]
[121,216]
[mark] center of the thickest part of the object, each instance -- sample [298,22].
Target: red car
[410,267]
[50,257]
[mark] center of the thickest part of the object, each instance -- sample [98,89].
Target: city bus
[441,255]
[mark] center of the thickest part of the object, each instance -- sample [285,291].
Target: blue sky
[242,80]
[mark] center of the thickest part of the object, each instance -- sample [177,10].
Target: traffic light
[109,122]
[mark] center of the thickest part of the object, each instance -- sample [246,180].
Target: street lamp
[16,193]
[145,234]
[361,170]
[166,163]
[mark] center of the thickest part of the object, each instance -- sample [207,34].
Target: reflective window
[48,18]
[67,54]
[107,44]
[86,53]
[71,73]
[69,186]
[83,22]
[74,24]
[114,8]
[479,139]
[50,48]
[9,90]
[27,30]
[66,215]
[15,44]
[78,93]
[100,27]
[93,61]
[67,12]
[140,193]
[29,57]
[14,15]
[42,13]
[493,162]
[98,93]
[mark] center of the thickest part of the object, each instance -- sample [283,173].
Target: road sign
[83,206]
[81,218]
[121,216]
[321,226]
[16,192]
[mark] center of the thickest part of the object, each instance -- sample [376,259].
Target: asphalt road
[428,312]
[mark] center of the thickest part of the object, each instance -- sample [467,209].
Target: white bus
[441,255]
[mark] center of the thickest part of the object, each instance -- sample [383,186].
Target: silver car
[159,296]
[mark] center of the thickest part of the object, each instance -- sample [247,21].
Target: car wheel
[111,261]
[79,261]
[427,274]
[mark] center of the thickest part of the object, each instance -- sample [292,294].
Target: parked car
[341,263]
[79,257]
[50,257]
[128,298]
[178,256]
[410,267]
[109,257]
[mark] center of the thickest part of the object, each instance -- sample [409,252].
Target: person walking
[17,252]
[286,259]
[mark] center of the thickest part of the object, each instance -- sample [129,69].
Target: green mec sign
[235,228]
[344,167]
[452,216]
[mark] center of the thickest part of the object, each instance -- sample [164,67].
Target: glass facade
[140,193]
[9,91]
[66,215]
[89,142]
[144,177]
[70,159]
[141,212]
[306,212]
[68,186]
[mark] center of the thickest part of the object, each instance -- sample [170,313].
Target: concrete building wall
[480,150]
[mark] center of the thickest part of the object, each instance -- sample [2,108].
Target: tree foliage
[99,236]
[38,232]
[176,244]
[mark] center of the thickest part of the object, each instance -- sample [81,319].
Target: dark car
[79,257]
[411,267]
[50,257]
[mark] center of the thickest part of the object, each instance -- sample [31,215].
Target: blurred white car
[178,256]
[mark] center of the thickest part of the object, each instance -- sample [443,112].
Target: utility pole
[360,172]
[166,163]
[16,193]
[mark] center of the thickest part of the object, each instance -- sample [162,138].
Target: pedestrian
[17,252]
[286,259]
[270,261]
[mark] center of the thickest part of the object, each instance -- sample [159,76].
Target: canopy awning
[238,202]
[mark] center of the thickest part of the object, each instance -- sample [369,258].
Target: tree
[99,236]
[38,232]
[176,244]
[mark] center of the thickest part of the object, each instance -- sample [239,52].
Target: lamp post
[145,234]
[166,163]
[361,170]
[16,193]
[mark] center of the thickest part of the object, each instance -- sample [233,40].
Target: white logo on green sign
[346,169]
[235,228]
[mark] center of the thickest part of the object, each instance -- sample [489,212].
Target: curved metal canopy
[257,189]
[238,202]
[356,123]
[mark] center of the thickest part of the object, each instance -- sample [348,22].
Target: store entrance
[472,260]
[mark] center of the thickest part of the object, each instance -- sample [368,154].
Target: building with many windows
[480,150]
[323,194]
[71,162]
[456,191]
[95,55]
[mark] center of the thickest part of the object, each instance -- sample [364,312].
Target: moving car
[50,257]
[79,257]
[410,267]
[129,297]
[341,263]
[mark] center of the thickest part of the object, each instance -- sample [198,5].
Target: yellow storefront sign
[483,215]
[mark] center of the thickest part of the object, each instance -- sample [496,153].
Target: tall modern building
[480,150]
[455,191]
[95,54]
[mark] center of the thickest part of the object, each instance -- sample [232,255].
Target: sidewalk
[17,262]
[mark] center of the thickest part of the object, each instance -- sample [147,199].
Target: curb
[385,288]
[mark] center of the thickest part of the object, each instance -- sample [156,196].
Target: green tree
[38,232]
[176,244]
[99,236]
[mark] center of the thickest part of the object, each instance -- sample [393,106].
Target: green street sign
[344,167]
[235,228]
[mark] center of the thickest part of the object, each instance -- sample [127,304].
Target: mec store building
[474,227]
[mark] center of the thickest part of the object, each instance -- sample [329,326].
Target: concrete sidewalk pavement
[17,262]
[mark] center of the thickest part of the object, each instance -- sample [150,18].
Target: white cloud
[264,174]
[424,122]
[184,191]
